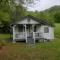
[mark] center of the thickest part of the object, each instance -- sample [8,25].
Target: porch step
[30,40]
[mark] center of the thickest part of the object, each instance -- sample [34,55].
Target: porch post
[14,34]
[33,33]
[26,33]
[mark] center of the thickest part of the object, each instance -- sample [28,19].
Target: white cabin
[31,29]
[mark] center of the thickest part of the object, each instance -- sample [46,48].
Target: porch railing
[37,35]
[32,35]
[20,35]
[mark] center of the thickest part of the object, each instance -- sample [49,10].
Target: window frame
[46,29]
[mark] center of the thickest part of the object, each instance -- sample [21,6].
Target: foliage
[19,12]
[9,11]
[57,17]
[53,13]
[40,51]
[57,30]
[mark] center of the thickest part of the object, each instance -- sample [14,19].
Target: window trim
[46,29]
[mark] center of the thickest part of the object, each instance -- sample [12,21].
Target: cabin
[32,29]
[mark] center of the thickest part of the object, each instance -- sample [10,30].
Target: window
[20,28]
[35,29]
[46,29]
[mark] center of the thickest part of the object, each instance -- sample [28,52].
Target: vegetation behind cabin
[11,11]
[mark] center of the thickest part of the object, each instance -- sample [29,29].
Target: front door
[29,31]
[30,35]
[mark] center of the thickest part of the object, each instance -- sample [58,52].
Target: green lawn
[57,30]
[4,36]
[39,51]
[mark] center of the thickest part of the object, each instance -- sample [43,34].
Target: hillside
[53,13]
[53,9]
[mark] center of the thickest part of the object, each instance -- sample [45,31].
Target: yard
[39,51]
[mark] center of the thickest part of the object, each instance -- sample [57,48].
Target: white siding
[40,29]
[22,22]
[33,22]
[25,21]
[49,35]
[14,33]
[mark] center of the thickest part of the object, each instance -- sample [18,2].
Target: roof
[41,21]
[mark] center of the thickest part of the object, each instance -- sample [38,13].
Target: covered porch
[26,32]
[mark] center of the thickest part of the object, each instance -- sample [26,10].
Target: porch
[26,32]
[22,35]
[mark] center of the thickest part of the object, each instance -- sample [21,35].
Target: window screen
[20,28]
[46,29]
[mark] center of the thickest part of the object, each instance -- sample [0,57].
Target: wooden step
[30,40]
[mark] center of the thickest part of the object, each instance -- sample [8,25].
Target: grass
[57,30]
[39,51]
[4,36]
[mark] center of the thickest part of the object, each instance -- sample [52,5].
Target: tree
[9,10]
[57,17]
